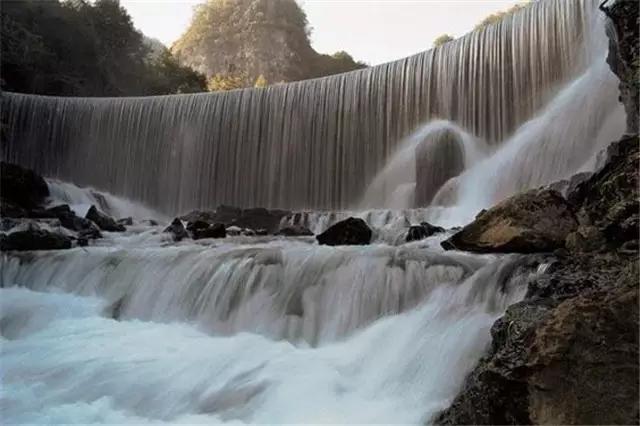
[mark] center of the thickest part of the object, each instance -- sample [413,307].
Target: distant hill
[238,42]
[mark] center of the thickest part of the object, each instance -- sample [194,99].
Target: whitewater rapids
[271,330]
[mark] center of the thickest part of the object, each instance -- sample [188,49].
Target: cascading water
[311,144]
[138,328]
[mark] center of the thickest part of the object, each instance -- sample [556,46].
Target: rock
[176,228]
[623,54]
[351,231]
[439,157]
[533,221]
[295,231]
[150,222]
[567,186]
[197,224]
[608,200]
[103,221]
[422,231]
[212,231]
[255,218]
[22,187]
[234,230]
[126,221]
[566,354]
[34,239]
[585,239]
[10,209]
[69,220]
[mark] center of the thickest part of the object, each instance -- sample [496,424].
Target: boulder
[103,221]
[176,229]
[34,239]
[422,231]
[351,231]
[9,208]
[69,220]
[294,231]
[212,231]
[534,221]
[125,221]
[22,187]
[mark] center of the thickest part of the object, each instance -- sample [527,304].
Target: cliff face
[623,53]
[568,353]
[246,39]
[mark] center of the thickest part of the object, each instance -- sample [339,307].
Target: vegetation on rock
[236,42]
[443,39]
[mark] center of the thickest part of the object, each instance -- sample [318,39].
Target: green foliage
[499,16]
[83,48]
[442,39]
[253,38]
[226,82]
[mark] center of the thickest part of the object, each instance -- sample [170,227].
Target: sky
[373,31]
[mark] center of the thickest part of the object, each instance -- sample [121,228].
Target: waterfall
[310,144]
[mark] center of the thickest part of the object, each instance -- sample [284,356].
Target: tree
[499,16]
[442,39]
[83,48]
[222,82]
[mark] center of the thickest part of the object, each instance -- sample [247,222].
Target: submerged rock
[176,229]
[210,231]
[103,221]
[125,221]
[351,231]
[34,239]
[295,231]
[21,188]
[534,221]
[422,231]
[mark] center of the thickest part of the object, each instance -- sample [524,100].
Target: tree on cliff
[499,16]
[249,38]
[443,39]
[84,48]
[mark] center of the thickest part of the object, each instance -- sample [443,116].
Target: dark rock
[176,228]
[439,157]
[623,54]
[211,231]
[126,221]
[69,220]
[22,187]
[294,231]
[422,231]
[196,225]
[351,231]
[567,186]
[150,222]
[103,221]
[534,221]
[34,239]
[9,208]
[608,200]
[585,239]
[567,354]
[254,218]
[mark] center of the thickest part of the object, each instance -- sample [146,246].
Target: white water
[210,334]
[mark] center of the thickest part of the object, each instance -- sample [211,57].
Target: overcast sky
[374,31]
